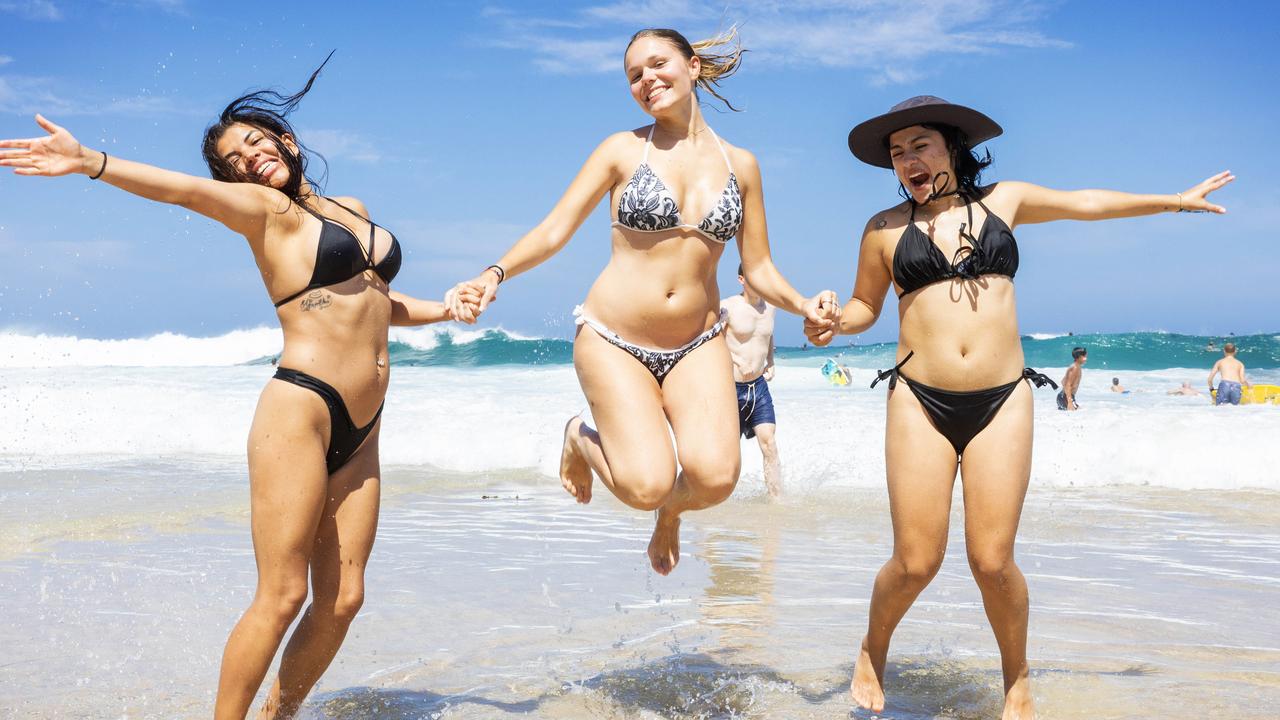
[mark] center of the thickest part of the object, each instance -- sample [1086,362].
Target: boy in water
[1232,372]
[1071,381]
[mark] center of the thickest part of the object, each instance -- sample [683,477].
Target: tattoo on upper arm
[881,223]
[316,300]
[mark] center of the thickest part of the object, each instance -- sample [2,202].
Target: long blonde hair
[720,56]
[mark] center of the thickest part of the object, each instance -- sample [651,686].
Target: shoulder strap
[720,145]
[647,142]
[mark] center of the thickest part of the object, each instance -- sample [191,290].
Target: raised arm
[598,174]
[753,247]
[871,283]
[243,207]
[1037,204]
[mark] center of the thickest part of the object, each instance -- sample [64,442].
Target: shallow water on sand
[497,596]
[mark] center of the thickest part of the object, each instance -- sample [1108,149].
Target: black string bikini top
[340,256]
[918,262]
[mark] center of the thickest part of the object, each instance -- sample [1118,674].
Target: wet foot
[1018,704]
[664,546]
[575,473]
[867,687]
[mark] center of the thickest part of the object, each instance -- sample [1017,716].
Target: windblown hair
[1078,352]
[267,110]
[721,56]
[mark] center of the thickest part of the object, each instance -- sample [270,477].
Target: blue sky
[460,123]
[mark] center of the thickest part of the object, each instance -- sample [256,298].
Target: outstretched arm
[870,286]
[243,207]
[757,261]
[1037,204]
[406,310]
[598,174]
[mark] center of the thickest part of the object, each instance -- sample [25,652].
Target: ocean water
[1150,542]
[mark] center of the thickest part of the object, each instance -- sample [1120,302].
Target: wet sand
[121,583]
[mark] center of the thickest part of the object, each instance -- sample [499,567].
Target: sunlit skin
[964,334]
[658,290]
[309,527]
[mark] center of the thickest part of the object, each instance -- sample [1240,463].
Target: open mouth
[265,169]
[655,94]
[918,181]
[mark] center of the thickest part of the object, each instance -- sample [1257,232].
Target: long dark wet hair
[968,164]
[267,110]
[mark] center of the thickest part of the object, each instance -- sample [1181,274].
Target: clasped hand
[822,317]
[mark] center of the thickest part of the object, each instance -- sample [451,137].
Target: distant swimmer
[1186,389]
[1071,381]
[1116,387]
[1210,347]
[1233,377]
[749,334]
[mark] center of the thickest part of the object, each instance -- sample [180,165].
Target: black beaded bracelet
[101,169]
[502,274]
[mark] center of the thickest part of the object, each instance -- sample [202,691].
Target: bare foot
[575,473]
[664,546]
[867,687]
[1018,704]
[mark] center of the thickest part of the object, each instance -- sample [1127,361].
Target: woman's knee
[348,602]
[282,601]
[712,481]
[643,490]
[918,567]
[992,565]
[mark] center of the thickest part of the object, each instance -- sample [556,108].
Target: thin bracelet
[101,169]
[502,274]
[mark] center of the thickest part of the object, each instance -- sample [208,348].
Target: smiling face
[254,155]
[919,154]
[660,76]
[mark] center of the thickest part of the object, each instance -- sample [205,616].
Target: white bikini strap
[647,142]
[723,154]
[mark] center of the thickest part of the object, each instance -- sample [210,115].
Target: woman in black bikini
[950,252]
[648,351]
[313,446]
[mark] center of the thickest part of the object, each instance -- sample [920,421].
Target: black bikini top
[340,256]
[918,262]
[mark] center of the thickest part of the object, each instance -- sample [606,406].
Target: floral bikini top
[646,204]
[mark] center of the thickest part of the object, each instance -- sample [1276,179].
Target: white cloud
[341,145]
[26,95]
[891,40]
[5,59]
[31,9]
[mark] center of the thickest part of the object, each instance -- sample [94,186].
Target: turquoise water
[1120,351]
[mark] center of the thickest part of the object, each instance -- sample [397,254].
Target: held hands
[821,315]
[57,153]
[466,300]
[1193,200]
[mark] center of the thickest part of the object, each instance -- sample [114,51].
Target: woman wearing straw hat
[949,253]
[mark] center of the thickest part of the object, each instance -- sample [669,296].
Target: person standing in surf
[749,333]
[649,350]
[950,254]
[314,477]
[1071,380]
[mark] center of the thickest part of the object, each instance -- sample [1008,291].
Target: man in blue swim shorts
[1233,377]
[749,332]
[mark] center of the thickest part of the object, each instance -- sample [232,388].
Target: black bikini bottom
[344,437]
[960,416]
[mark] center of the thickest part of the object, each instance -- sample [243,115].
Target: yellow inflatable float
[1254,395]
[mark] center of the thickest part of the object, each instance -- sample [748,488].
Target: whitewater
[480,401]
